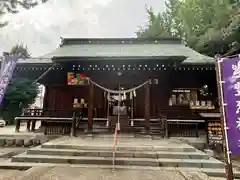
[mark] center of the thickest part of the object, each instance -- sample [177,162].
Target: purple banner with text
[9,65]
[230,68]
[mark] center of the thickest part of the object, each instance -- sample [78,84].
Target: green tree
[157,25]
[224,37]
[20,93]
[12,6]
[209,27]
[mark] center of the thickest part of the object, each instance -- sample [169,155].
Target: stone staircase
[127,157]
[132,154]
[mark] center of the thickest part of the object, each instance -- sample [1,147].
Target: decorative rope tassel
[124,96]
[132,123]
[131,95]
[134,93]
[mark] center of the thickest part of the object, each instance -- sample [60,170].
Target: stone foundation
[24,141]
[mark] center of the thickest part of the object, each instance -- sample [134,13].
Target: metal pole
[119,96]
[227,155]
[113,160]
[132,103]
[108,109]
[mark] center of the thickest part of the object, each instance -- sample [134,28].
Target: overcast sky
[40,28]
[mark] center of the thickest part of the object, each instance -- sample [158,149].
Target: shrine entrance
[120,106]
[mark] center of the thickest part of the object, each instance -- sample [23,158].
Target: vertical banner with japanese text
[6,74]
[230,75]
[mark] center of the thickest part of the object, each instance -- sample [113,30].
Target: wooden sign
[77,79]
[215,135]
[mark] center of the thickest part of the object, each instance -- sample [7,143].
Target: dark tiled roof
[127,48]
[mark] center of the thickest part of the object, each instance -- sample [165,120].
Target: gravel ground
[68,173]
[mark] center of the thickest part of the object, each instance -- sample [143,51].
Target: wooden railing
[184,124]
[183,128]
[57,126]
[51,120]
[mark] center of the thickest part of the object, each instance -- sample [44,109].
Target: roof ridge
[151,40]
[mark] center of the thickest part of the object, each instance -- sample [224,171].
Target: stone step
[85,160]
[166,147]
[129,154]
[165,162]
[219,172]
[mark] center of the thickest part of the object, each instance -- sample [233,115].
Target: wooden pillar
[28,125]
[18,122]
[33,125]
[147,106]
[90,107]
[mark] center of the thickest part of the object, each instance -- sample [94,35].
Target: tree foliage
[209,27]
[20,92]
[12,6]
[21,50]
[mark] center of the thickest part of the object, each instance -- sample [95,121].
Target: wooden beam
[90,107]
[147,105]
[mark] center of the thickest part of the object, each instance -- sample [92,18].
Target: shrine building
[177,82]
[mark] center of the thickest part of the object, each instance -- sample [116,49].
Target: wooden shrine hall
[142,83]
